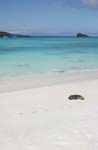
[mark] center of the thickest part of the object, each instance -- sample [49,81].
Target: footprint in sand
[20,113]
[61,142]
[37,109]
[31,147]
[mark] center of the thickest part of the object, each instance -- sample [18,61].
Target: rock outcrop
[81,35]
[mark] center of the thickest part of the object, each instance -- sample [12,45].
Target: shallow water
[24,57]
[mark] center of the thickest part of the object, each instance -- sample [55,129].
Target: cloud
[90,2]
[77,3]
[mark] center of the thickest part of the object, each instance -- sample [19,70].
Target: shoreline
[45,80]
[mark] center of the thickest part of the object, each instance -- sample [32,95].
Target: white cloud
[90,2]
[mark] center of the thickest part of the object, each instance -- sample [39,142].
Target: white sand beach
[43,118]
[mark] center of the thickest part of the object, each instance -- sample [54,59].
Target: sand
[43,118]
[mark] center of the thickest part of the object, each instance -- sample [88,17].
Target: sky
[49,17]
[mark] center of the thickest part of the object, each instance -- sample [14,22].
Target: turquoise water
[23,57]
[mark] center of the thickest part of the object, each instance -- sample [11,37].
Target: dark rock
[81,35]
[76,97]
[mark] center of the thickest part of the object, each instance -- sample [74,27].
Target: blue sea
[24,57]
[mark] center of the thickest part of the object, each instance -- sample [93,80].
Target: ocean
[25,57]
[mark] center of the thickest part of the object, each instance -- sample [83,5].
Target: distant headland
[7,34]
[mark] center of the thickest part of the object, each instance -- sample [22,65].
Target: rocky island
[81,35]
[6,34]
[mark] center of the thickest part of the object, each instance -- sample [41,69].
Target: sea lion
[76,97]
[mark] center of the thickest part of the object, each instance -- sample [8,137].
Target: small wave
[23,65]
[59,71]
